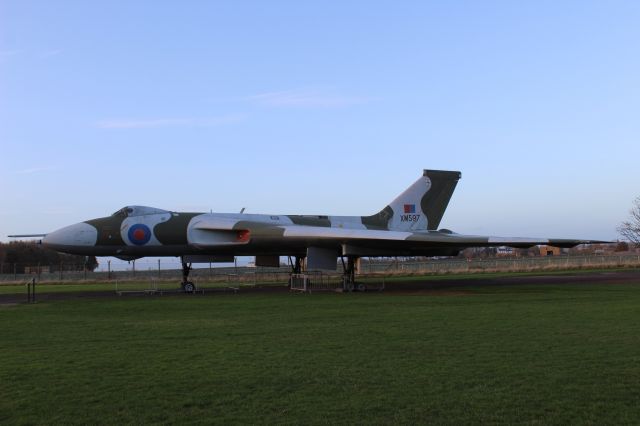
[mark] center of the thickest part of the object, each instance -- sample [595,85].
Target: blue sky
[321,107]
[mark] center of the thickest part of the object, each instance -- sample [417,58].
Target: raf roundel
[139,234]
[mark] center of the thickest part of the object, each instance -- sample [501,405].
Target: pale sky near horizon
[321,108]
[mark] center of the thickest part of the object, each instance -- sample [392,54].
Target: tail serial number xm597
[408,226]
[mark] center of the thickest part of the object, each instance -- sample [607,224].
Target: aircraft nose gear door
[187,286]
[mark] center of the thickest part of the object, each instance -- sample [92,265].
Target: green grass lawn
[543,354]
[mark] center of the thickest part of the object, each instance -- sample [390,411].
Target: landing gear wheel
[361,287]
[188,287]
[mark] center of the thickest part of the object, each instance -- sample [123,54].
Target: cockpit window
[123,212]
[130,211]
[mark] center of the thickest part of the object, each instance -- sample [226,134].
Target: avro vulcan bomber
[408,226]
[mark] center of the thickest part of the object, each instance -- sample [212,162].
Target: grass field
[536,354]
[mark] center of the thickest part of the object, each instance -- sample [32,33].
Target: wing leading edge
[378,238]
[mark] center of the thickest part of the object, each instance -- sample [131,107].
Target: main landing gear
[349,275]
[186,285]
[349,267]
[296,267]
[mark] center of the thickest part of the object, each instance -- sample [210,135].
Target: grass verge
[551,354]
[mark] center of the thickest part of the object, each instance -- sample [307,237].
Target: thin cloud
[50,53]
[58,211]
[33,170]
[8,53]
[44,54]
[169,122]
[306,98]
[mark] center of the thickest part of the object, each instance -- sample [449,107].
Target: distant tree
[630,229]
[527,252]
[91,263]
[16,255]
[622,246]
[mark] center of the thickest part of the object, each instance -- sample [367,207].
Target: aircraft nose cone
[78,235]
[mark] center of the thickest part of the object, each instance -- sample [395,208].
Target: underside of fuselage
[258,248]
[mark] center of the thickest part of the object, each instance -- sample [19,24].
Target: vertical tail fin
[421,206]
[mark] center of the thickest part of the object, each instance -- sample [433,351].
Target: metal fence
[161,272]
[316,281]
[170,271]
[522,264]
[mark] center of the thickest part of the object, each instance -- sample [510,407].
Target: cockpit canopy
[131,211]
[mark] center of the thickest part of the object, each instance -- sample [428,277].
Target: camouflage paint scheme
[406,227]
